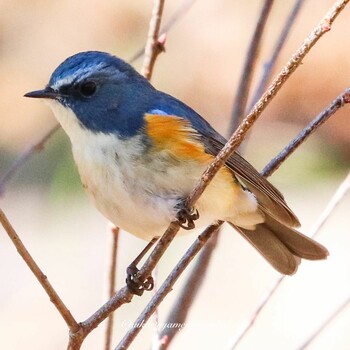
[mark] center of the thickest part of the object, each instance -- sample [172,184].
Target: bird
[140,152]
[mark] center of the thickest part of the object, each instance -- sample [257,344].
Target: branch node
[326,25]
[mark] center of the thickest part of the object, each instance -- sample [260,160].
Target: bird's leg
[186,216]
[134,284]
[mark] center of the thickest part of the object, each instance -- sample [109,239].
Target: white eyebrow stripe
[80,74]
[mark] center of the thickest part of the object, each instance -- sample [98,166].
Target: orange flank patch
[176,135]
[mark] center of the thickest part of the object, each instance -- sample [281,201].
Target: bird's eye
[88,88]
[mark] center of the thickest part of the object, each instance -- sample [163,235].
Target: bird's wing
[270,199]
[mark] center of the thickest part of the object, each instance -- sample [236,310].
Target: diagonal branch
[43,280]
[323,27]
[339,102]
[167,285]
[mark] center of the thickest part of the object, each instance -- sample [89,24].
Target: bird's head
[104,93]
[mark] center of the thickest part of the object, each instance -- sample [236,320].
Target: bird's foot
[186,217]
[134,284]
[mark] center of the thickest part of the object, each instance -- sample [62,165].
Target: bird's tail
[282,246]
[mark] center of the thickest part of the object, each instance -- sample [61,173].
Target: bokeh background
[205,52]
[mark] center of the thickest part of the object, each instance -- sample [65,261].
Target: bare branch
[339,102]
[112,278]
[340,309]
[177,15]
[240,102]
[154,45]
[325,215]
[270,65]
[124,296]
[43,280]
[166,287]
[323,27]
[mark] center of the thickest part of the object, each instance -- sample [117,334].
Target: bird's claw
[186,218]
[134,284]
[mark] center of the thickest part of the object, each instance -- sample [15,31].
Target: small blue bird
[140,152]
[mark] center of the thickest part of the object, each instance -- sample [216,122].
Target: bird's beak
[45,93]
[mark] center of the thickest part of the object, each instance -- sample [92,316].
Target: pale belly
[139,194]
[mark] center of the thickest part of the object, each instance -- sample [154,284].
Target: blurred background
[205,52]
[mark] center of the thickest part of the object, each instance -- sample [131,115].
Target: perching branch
[240,102]
[43,280]
[167,285]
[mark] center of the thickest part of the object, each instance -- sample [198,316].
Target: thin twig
[124,296]
[154,45]
[112,282]
[240,102]
[167,285]
[325,215]
[281,40]
[35,147]
[340,309]
[177,15]
[43,280]
[339,102]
